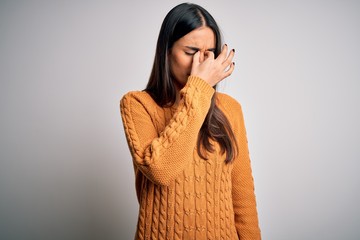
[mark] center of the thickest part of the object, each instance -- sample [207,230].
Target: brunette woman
[187,141]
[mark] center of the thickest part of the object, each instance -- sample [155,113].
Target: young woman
[187,141]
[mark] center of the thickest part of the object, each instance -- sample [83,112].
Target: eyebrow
[197,49]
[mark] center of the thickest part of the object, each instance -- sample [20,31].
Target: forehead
[202,37]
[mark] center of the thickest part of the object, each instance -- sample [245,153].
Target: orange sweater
[182,196]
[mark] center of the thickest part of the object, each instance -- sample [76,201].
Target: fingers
[209,55]
[229,58]
[196,57]
[227,61]
[196,60]
[223,53]
[213,70]
[229,71]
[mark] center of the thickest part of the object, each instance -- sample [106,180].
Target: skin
[193,55]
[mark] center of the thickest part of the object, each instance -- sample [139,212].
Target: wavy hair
[181,20]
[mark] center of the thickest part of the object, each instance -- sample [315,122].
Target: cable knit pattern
[162,215]
[182,196]
[155,218]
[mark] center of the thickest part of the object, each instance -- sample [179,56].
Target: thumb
[196,59]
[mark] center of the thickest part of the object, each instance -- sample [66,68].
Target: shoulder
[228,104]
[137,98]
[137,95]
[232,110]
[138,103]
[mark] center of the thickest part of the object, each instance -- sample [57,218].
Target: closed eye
[190,53]
[192,50]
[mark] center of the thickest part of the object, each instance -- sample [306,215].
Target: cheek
[184,63]
[180,65]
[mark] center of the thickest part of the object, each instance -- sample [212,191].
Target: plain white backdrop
[65,168]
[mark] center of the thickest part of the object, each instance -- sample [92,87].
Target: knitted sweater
[181,195]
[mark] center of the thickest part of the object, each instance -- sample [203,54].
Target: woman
[188,142]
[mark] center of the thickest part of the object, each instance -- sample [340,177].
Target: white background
[65,168]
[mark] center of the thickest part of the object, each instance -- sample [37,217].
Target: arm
[244,202]
[161,157]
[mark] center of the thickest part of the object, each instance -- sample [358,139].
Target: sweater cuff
[199,83]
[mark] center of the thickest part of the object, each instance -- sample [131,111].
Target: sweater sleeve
[161,157]
[244,201]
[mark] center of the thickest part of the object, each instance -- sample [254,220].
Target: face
[181,55]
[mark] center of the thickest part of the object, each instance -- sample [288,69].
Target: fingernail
[225,44]
[233,50]
[234,63]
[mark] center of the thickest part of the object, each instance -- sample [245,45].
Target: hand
[213,70]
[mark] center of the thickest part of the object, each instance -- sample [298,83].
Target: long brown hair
[181,20]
